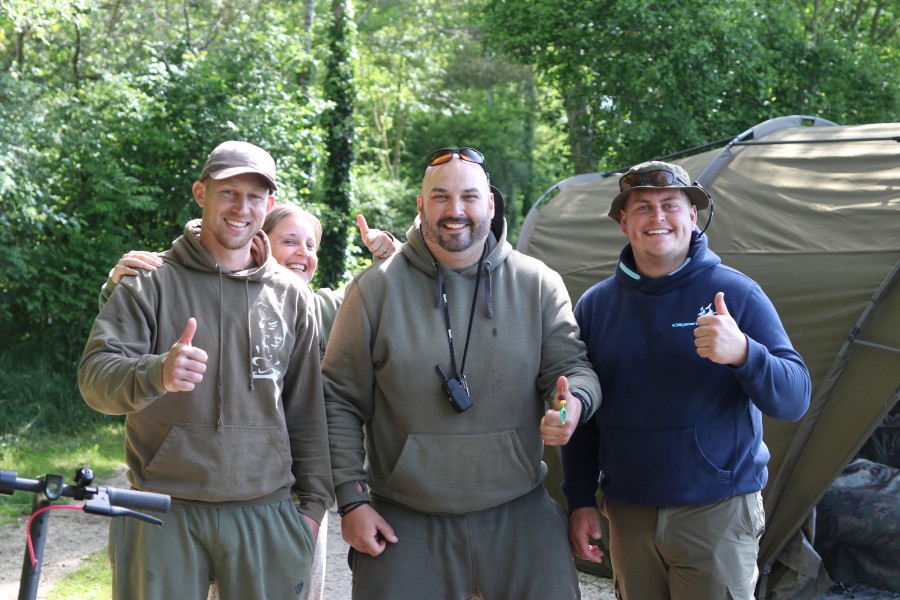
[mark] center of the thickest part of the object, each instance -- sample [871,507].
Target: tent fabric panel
[866,385]
[807,197]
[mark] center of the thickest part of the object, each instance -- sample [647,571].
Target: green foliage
[427,81]
[95,170]
[641,80]
[408,50]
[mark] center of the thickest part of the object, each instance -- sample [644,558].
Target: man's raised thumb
[189,330]
[721,309]
[363,226]
[562,390]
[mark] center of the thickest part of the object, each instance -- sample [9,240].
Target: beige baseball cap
[236,158]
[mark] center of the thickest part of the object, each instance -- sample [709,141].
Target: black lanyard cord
[457,373]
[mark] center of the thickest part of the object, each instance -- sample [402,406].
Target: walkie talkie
[456,393]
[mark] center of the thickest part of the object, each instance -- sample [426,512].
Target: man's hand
[312,525]
[584,527]
[136,259]
[380,243]
[184,365]
[367,531]
[718,338]
[553,431]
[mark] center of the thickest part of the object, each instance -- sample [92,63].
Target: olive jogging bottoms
[519,550]
[262,551]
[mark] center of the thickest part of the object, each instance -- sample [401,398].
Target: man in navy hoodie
[690,355]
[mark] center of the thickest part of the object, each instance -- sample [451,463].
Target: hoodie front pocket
[197,462]
[665,466]
[456,473]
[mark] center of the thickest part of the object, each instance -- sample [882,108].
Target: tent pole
[763,582]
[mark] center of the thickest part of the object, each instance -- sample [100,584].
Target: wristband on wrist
[349,508]
[585,407]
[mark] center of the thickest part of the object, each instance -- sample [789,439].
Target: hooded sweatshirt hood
[194,256]
[420,256]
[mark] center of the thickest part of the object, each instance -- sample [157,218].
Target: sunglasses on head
[439,157]
[655,178]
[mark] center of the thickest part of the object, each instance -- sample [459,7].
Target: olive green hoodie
[254,429]
[382,388]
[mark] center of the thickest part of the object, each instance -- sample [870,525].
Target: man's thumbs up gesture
[184,365]
[556,429]
[718,338]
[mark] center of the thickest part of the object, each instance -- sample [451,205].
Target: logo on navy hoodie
[704,310]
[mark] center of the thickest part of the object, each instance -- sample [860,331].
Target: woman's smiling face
[293,241]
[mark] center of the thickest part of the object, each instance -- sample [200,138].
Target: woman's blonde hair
[285,209]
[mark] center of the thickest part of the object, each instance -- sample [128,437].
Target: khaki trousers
[687,552]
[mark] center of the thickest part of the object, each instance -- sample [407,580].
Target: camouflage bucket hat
[657,174]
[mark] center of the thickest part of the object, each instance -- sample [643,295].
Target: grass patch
[92,581]
[40,395]
[101,448]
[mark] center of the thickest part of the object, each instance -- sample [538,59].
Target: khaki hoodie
[254,429]
[382,388]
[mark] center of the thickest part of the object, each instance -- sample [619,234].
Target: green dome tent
[810,210]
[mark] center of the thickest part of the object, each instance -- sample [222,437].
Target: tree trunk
[338,121]
[581,135]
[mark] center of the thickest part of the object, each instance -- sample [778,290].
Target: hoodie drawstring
[220,392]
[440,287]
[488,293]
[249,333]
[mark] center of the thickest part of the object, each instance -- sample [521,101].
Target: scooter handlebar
[137,500]
[134,499]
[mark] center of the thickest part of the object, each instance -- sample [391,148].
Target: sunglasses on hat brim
[655,178]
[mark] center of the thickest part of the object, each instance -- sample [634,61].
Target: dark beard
[458,242]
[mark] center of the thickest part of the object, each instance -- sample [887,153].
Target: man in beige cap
[214,361]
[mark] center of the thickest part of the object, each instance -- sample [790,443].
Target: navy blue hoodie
[676,428]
